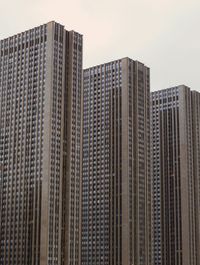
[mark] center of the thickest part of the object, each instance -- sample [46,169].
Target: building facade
[40,119]
[116,164]
[175,175]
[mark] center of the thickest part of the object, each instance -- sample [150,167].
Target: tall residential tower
[116,164]
[40,119]
[175,121]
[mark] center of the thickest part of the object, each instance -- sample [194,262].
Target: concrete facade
[175,175]
[40,119]
[116,203]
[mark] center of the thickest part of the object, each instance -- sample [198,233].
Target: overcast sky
[163,34]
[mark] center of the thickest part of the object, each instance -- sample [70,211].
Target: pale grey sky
[163,34]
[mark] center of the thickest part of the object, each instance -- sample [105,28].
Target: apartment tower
[116,164]
[40,119]
[175,150]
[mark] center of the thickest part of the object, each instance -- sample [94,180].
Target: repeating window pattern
[139,164]
[22,83]
[40,128]
[174,135]
[74,144]
[55,147]
[98,82]
[116,197]
[165,108]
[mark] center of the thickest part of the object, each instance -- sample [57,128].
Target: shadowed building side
[175,204]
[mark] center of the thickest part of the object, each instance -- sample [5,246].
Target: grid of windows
[40,122]
[174,139]
[96,155]
[165,106]
[22,85]
[116,139]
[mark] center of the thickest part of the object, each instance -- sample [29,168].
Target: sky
[162,34]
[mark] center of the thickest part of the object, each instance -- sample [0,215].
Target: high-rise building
[175,150]
[116,164]
[40,119]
